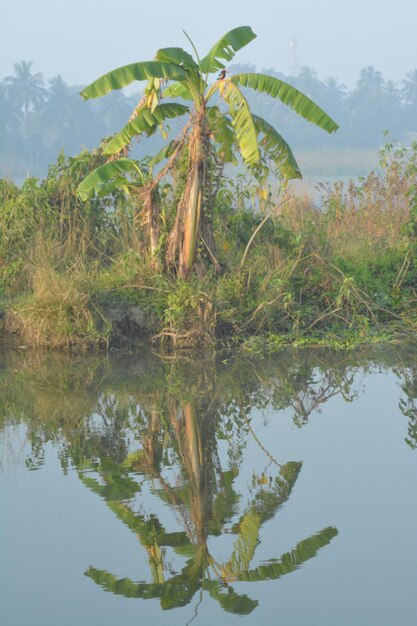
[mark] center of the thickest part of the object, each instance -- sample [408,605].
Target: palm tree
[58,98]
[56,115]
[307,80]
[336,90]
[391,90]
[9,124]
[27,90]
[219,122]
[392,103]
[409,89]
[8,110]
[369,78]
[115,107]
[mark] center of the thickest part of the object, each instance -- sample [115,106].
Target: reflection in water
[143,432]
[203,496]
[408,403]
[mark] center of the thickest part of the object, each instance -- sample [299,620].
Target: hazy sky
[82,39]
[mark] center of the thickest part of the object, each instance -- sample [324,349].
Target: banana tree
[220,124]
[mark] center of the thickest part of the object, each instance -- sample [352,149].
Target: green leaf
[243,123]
[277,149]
[175,55]
[289,95]
[105,173]
[179,56]
[224,134]
[147,122]
[226,48]
[165,153]
[122,76]
[177,90]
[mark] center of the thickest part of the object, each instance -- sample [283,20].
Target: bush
[344,270]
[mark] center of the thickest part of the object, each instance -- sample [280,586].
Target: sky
[83,39]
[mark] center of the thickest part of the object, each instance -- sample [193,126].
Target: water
[141,491]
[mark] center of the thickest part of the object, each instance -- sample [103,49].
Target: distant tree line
[38,118]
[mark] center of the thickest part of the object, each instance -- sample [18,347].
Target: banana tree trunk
[193,197]
[150,218]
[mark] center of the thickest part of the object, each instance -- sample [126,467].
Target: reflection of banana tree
[205,498]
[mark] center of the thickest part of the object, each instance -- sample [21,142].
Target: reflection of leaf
[156,563]
[228,599]
[264,506]
[224,504]
[178,591]
[149,530]
[187,550]
[245,545]
[268,500]
[118,485]
[290,561]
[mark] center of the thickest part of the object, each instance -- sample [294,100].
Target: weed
[341,272]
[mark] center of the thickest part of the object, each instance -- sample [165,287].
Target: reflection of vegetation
[57,395]
[408,403]
[142,433]
[204,497]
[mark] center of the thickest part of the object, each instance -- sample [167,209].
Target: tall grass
[341,268]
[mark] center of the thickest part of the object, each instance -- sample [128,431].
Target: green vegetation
[39,117]
[142,432]
[194,161]
[107,249]
[79,273]
[180,431]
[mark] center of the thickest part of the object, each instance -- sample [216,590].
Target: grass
[59,311]
[340,270]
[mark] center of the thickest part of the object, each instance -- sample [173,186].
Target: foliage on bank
[343,270]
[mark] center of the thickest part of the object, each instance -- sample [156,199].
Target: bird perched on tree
[222,75]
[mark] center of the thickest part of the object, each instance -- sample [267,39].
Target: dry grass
[315,266]
[59,313]
[354,221]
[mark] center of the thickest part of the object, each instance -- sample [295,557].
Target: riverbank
[76,274]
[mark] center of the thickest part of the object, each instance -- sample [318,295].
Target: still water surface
[140,491]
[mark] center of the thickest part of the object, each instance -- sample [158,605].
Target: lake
[137,489]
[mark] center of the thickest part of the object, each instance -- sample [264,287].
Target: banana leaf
[123,76]
[106,173]
[289,95]
[243,123]
[147,122]
[226,48]
[277,149]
